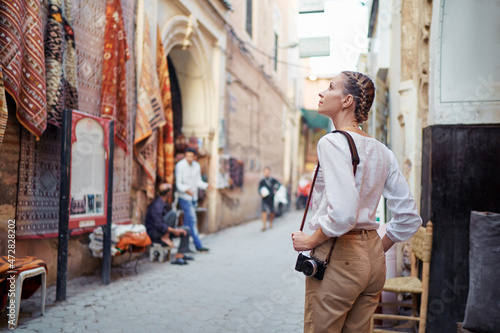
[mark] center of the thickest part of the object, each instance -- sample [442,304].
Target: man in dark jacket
[267,188]
[161,225]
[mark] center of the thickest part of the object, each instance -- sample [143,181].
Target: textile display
[89,25]
[236,172]
[150,115]
[38,200]
[3,108]
[38,189]
[148,152]
[23,62]
[165,160]
[114,78]
[89,21]
[60,61]
[122,178]
[223,176]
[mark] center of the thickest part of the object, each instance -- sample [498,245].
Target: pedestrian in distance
[267,189]
[303,189]
[344,203]
[188,181]
[161,225]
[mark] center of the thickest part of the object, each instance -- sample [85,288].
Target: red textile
[165,160]
[114,83]
[150,115]
[23,61]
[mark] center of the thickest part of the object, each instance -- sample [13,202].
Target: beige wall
[261,115]
[80,259]
[9,168]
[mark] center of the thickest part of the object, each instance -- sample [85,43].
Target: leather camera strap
[355,162]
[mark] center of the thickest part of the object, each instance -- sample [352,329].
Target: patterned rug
[150,115]
[165,160]
[114,79]
[38,190]
[89,19]
[122,177]
[3,108]
[23,61]
[38,201]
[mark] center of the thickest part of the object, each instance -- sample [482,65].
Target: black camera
[310,266]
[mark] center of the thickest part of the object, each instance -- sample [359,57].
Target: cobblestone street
[247,283]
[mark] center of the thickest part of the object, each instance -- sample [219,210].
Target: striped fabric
[165,160]
[114,80]
[150,113]
[23,62]
[146,152]
[19,265]
[150,116]
[3,108]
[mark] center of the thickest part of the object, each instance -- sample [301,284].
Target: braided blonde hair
[361,87]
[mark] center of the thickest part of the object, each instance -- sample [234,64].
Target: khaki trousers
[348,295]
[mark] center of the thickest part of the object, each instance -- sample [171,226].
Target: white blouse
[342,202]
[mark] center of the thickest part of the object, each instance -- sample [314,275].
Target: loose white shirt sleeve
[400,201]
[342,201]
[188,177]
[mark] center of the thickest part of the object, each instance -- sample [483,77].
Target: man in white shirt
[188,181]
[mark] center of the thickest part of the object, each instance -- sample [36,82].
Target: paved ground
[247,283]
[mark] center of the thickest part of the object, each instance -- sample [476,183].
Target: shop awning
[314,119]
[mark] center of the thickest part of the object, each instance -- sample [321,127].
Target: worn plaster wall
[413,90]
[9,165]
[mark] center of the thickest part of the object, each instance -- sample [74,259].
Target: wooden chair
[421,248]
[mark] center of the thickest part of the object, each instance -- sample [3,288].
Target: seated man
[161,225]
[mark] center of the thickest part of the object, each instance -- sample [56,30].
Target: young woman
[344,207]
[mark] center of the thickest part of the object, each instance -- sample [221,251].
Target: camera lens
[309,267]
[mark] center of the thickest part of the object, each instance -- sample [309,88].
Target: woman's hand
[387,243]
[301,241]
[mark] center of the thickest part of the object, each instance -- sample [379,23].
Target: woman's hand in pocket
[387,243]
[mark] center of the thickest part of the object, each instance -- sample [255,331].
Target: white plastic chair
[19,288]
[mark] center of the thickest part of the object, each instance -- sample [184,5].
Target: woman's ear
[348,101]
